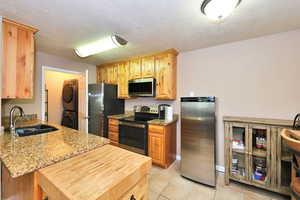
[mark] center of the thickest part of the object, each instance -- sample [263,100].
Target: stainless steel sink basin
[35,130]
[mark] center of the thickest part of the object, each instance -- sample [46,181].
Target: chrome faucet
[12,122]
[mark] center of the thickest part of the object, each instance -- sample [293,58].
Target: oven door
[133,137]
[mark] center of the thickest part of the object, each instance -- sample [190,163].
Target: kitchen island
[22,157]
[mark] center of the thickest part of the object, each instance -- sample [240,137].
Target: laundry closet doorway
[64,97]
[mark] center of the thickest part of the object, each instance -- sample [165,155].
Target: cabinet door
[101,74]
[165,77]
[115,73]
[148,69]
[260,154]
[284,162]
[156,148]
[123,80]
[18,62]
[238,159]
[135,69]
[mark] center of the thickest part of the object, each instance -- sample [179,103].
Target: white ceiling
[148,25]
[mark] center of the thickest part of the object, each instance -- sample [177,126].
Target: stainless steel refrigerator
[198,152]
[103,101]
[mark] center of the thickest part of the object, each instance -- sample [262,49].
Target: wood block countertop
[104,173]
[22,155]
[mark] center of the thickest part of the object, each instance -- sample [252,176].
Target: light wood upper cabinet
[18,60]
[123,73]
[148,68]
[135,69]
[161,66]
[165,67]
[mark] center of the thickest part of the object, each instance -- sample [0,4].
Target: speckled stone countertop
[120,116]
[22,155]
[163,122]
[154,121]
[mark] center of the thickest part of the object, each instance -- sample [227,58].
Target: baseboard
[219,168]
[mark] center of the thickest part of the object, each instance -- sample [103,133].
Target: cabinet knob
[132,197]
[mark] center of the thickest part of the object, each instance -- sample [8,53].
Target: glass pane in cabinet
[286,168]
[285,154]
[260,170]
[238,138]
[259,139]
[238,166]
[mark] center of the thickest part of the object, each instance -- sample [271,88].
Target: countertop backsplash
[26,118]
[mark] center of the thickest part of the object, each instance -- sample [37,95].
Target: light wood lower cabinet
[18,60]
[113,131]
[139,191]
[162,144]
[256,155]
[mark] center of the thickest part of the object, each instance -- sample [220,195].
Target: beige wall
[54,83]
[253,78]
[43,59]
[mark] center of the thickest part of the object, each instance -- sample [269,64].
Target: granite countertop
[163,122]
[22,155]
[154,121]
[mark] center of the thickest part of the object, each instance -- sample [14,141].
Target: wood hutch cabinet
[255,153]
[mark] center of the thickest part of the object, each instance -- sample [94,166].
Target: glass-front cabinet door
[239,161]
[284,164]
[259,154]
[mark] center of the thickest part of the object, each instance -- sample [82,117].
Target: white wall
[33,106]
[147,101]
[253,78]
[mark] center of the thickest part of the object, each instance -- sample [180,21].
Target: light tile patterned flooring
[167,184]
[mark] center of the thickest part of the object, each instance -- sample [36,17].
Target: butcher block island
[70,165]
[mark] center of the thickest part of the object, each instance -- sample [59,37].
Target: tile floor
[167,184]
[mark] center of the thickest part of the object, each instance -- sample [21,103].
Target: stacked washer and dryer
[70,104]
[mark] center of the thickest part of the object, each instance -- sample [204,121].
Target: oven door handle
[132,124]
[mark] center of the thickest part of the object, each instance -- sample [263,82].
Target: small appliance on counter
[165,111]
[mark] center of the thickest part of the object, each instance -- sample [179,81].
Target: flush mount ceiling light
[218,9]
[105,44]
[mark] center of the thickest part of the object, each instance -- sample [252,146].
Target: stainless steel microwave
[142,87]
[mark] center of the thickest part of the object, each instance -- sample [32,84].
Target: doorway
[52,110]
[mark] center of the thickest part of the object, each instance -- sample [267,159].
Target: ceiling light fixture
[218,9]
[105,44]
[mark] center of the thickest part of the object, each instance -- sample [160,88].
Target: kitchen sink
[35,130]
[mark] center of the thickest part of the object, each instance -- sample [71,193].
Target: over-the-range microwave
[142,87]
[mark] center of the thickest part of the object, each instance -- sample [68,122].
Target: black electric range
[133,131]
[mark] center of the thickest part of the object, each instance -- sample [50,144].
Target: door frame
[43,96]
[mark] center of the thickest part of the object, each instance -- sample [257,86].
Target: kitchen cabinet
[18,60]
[123,73]
[256,155]
[162,144]
[135,69]
[113,131]
[165,66]
[161,66]
[148,67]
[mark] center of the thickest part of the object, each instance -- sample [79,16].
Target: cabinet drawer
[113,136]
[139,191]
[113,128]
[113,122]
[156,129]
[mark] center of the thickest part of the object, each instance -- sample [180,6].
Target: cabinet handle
[132,197]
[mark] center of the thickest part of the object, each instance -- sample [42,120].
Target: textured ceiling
[148,25]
